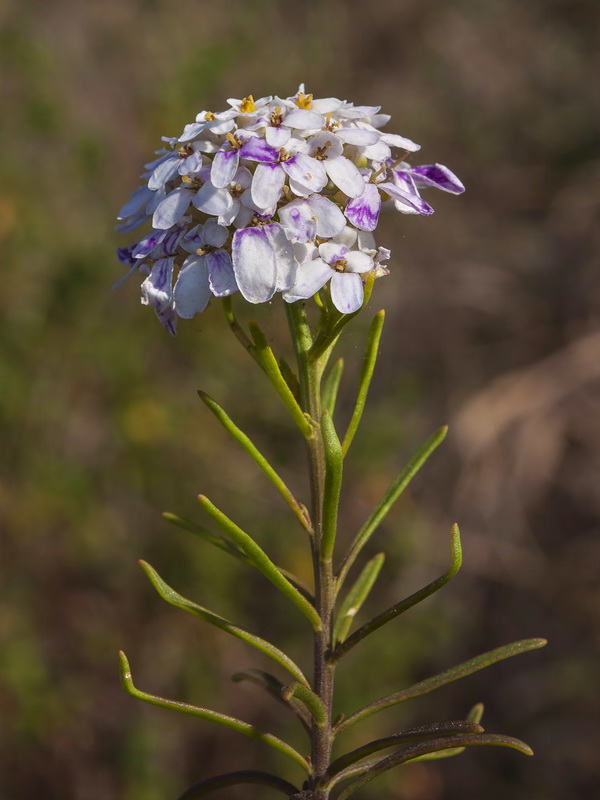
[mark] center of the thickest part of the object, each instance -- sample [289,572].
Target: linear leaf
[422,732]
[331,386]
[259,559]
[218,541]
[240,437]
[392,494]
[437,681]
[334,464]
[431,745]
[369,361]
[273,371]
[310,700]
[238,331]
[177,600]
[275,688]
[208,714]
[408,602]
[356,597]
[234,779]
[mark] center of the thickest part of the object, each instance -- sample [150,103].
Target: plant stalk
[310,371]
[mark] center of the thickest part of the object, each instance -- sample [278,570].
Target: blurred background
[493,327]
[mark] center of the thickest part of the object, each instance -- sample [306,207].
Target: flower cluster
[272,195]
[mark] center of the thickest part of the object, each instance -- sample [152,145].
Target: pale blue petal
[170,210]
[224,167]
[212,200]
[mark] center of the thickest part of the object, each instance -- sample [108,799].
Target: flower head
[271,195]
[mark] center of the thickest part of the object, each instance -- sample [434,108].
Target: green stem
[310,372]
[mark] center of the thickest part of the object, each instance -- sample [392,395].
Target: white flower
[271,195]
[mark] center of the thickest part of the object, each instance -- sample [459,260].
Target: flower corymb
[272,195]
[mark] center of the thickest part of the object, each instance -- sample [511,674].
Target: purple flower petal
[438,176]
[256,149]
[157,289]
[363,211]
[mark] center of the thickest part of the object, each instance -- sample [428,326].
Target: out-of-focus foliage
[493,326]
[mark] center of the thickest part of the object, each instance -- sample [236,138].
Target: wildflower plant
[283,196]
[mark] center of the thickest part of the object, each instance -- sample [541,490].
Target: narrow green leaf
[273,686]
[218,541]
[271,367]
[373,769]
[290,378]
[232,549]
[369,361]
[356,597]
[310,700]
[334,464]
[175,599]
[474,715]
[240,437]
[392,494]
[234,779]
[331,386]
[437,681]
[409,602]
[259,559]
[413,734]
[209,715]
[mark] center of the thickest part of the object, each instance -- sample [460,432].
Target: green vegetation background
[493,326]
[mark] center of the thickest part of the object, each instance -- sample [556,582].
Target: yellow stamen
[304,100]
[233,141]
[247,104]
[340,265]
[209,116]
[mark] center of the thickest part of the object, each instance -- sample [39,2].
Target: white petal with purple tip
[224,166]
[438,176]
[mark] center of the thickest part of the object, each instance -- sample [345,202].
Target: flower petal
[170,210]
[157,289]
[357,136]
[312,276]
[277,137]
[409,202]
[138,199]
[254,264]
[256,149]
[347,293]
[267,184]
[298,220]
[306,171]
[164,172]
[285,261]
[212,200]
[358,262]
[344,173]
[304,120]
[192,291]
[215,235]
[363,211]
[438,176]
[220,273]
[330,220]
[400,141]
[224,167]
